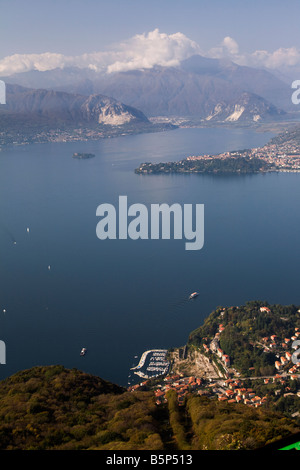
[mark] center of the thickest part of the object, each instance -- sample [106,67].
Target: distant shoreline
[280,154]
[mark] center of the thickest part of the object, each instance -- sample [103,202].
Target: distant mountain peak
[70,107]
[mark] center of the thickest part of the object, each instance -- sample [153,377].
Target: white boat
[193,295]
[83,351]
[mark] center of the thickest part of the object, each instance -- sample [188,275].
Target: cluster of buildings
[10,137]
[232,388]
[285,157]
[284,356]
[221,156]
[282,157]
[181,385]
[232,391]
[139,386]
[214,347]
[81,134]
[225,390]
[280,347]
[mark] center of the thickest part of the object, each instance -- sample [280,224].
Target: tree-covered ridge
[234,426]
[238,164]
[56,408]
[251,335]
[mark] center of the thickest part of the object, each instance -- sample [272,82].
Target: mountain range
[211,90]
[54,106]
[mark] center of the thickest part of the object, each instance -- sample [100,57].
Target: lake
[63,289]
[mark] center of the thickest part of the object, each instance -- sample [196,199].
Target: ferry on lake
[193,295]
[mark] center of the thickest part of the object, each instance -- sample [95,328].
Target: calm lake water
[118,298]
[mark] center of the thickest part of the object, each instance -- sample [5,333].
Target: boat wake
[180,303]
[183,301]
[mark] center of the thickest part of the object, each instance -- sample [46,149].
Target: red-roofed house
[288,356]
[265,309]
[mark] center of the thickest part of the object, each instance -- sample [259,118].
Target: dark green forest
[238,164]
[245,327]
[53,408]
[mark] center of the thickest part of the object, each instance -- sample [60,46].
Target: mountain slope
[40,115]
[257,81]
[68,107]
[56,408]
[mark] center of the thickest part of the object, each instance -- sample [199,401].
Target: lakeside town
[275,156]
[279,157]
[19,135]
[42,136]
[212,373]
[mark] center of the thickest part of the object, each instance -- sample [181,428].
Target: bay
[119,298]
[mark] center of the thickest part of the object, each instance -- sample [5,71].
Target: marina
[152,363]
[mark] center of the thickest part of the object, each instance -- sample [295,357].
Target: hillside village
[279,156]
[279,346]
[227,383]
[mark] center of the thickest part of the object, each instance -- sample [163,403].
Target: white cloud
[283,59]
[231,45]
[154,48]
[24,62]
[50,60]
[141,51]
[149,49]
[228,47]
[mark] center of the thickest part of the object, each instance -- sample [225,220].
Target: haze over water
[118,298]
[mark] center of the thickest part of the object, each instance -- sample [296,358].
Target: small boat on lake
[193,295]
[83,352]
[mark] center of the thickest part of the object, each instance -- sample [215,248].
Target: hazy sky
[76,27]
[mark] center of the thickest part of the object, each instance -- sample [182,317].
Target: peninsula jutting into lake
[282,153]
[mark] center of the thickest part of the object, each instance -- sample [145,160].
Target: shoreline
[157,126]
